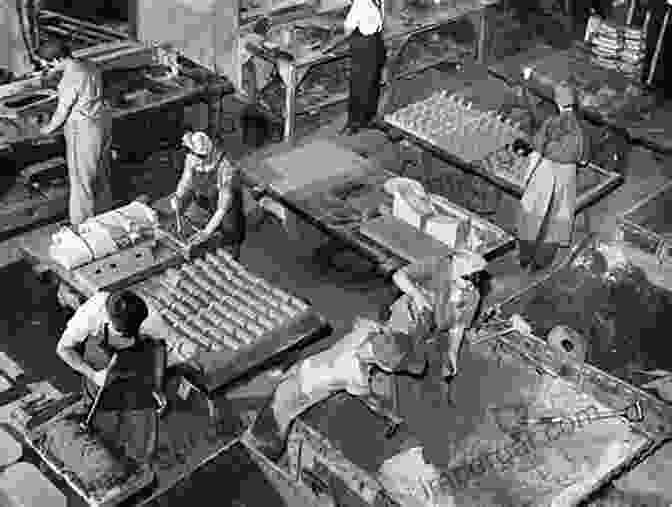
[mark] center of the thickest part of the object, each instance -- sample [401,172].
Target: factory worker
[364,25]
[546,211]
[82,111]
[345,366]
[210,194]
[105,325]
[440,299]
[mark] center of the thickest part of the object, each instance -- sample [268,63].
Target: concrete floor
[288,262]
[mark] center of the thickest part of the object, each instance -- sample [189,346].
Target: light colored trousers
[88,145]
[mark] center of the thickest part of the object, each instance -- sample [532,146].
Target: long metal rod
[659,45]
[99,394]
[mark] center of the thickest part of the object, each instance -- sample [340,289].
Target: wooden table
[649,129]
[490,93]
[195,85]
[294,63]
[159,120]
[343,205]
[514,377]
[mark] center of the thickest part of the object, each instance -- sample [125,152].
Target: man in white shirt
[364,25]
[108,325]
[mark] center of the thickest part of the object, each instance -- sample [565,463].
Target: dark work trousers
[367,60]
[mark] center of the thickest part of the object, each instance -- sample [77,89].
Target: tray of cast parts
[214,304]
[455,126]
[99,475]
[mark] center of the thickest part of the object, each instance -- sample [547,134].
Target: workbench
[144,103]
[200,357]
[640,116]
[413,26]
[345,199]
[491,94]
[499,382]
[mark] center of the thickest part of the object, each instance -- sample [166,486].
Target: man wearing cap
[439,302]
[105,325]
[210,194]
[546,212]
[88,130]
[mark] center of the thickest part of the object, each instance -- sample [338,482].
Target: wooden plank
[404,240]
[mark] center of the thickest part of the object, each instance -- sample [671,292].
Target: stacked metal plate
[453,125]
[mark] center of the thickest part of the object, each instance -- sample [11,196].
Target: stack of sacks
[415,207]
[617,47]
[102,235]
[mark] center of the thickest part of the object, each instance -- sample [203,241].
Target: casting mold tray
[485,459]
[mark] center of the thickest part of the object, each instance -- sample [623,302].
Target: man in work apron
[126,417]
[547,208]
[88,132]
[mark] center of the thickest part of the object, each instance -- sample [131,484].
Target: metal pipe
[659,44]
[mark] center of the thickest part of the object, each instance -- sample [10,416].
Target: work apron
[546,212]
[88,143]
[205,188]
[431,330]
[366,66]
[126,417]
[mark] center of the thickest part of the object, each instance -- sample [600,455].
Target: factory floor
[31,316]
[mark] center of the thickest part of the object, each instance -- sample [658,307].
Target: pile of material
[98,474]
[617,47]
[215,304]
[103,235]
[455,126]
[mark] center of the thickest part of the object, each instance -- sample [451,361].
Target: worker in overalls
[364,25]
[547,208]
[210,195]
[88,131]
[440,299]
[104,326]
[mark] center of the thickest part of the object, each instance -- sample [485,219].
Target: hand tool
[633,413]
[92,411]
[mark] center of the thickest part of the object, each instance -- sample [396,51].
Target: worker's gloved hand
[174,204]
[521,325]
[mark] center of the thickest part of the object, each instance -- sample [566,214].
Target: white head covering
[198,142]
[466,263]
